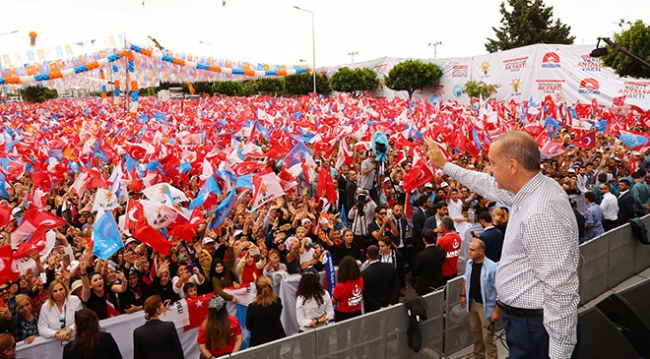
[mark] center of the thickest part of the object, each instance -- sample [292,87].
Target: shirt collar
[528,189]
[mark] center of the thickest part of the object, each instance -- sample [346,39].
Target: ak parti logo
[551,60]
[589,86]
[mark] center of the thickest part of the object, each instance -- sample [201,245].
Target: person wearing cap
[220,332]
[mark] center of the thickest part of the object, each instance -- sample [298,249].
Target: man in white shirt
[609,204]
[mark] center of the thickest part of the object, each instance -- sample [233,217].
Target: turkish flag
[197,309]
[134,215]
[325,187]
[420,174]
[153,238]
[586,141]
[5,215]
[552,149]
[7,272]
[36,241]
[633,164]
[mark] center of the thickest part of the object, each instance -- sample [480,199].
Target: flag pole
[126,68]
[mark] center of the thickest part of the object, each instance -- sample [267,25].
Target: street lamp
[602,51]
[2,90]
[211,47]
[435,48]
[352,55]
[313,42]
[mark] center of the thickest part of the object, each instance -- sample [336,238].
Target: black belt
[518,312]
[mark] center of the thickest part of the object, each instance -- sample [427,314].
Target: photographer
[361,215]
[383,225]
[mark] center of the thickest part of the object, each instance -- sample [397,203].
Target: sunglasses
[4,289]
[62,321]
[382,213]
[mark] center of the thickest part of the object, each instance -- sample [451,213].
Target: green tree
[300,84]
[479,89]
[636,39]
[270,86]
[529,22]
[228,88]
[38,94]
[411,75]
[355,81]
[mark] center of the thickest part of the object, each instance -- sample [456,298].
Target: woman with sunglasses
[57,315]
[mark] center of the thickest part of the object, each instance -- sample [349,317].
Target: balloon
[33,35]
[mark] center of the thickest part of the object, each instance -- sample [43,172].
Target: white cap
[305,220]
[444,184]
[129,240]
[207,240]
[571,170]
[387,179]
[439,172]
[428,185]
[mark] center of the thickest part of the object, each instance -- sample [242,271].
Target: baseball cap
[428,185]
[207,240]
[571,170]
[444,184]
[129,240]
[305,220]
[216,302]
[387,179]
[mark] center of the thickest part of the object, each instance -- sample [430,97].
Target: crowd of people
[376,232]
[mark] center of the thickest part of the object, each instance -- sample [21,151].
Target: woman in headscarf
[132,300]
[221,276]
[205,264]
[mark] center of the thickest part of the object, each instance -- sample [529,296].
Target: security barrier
[604,262]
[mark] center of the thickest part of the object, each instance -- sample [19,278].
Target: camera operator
[361,216]
[368,176]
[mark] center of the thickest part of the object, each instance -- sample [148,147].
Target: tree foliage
[529,22]
[354,81]
[303,84]
[269,86]
[636,39]
[38,94]
[479,89]
[228,88]
[411,75]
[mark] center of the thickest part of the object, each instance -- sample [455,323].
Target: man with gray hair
[450,241]
[537,277]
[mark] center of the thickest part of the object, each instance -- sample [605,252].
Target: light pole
[2,89]
[313,43]
[352,55]
[209,44]
[435,48]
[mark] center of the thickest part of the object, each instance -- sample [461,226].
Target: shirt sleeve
[234,326]
[480,182]
[201,339]
[301,312]
[553,257]
[43,320]
[329,308]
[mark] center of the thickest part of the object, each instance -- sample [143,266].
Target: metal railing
[604,262]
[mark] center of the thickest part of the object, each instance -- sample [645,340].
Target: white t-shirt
[609,206]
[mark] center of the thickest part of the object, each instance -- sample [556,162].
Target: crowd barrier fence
[605,261]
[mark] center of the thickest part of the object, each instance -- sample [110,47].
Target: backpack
[639,230]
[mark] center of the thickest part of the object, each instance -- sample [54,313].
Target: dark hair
[348,269]
[379,208]
[309,287]
[217,328]
[421,200]
[591,197]
[429,236]
[386,239]
[87,337]
[485,215]
[573,203]
[151,305]
[602,177]
[188,286]
[372,251]
[441,204]
[625,180]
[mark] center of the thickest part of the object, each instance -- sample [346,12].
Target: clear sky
[272,31]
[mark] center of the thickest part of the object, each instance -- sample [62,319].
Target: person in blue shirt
[478,296]
[593,217]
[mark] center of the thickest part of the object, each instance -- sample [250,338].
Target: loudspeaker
[599,338]
[629,312]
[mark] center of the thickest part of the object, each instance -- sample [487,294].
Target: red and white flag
[586,141]
[134,215]
[158,215]
[7,272]
[552,149]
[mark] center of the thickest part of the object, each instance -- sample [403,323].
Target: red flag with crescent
[420,174]
[586,141]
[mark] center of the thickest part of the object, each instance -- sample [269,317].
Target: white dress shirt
[49,319]
[539,262]
[609,204]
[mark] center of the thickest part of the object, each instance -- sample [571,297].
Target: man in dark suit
[380,283]
[342,183]
[350,190]
[428,265]
[156,339]
[491,236]
[625,202]
[418,217]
